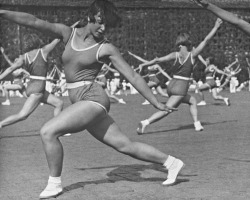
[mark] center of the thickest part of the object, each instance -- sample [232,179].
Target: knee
[192,101]
[125,147]
[46,133]
[59,104]
[23,116]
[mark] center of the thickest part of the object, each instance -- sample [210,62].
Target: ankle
[145,122]
[55,180]
[170,160]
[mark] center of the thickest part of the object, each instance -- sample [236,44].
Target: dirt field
[217,159]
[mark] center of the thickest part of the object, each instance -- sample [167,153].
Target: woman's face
[98,27]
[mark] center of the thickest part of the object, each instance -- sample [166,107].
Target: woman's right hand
[163,107]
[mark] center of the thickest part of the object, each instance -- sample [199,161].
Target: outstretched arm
[171,56]
[232,64]
[202,60]
[49,47]
[248,63]
[5,56]
[54,29]
[164,73]
[113,54]
[196,51]
[225,15]
[17,64]
[219,71]
[137,57]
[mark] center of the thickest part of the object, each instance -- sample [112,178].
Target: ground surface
[217,159]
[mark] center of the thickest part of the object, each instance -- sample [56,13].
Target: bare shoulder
[108,49]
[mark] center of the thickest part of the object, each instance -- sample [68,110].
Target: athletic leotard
[37,67]
[209,71]
[152,70]
[181,76]
[102,78]
[84,65]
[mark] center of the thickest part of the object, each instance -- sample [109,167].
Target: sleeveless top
[184,69]
[81,64]
[38,66]
[209,72]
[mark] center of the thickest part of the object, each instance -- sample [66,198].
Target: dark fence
[149,28]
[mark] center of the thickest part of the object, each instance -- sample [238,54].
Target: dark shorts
[35,87]
[178,87]
[211,83]
[20,83]
[91,92]
[154,80]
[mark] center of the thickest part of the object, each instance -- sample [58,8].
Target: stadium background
[148,29]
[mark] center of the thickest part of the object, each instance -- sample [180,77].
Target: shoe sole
[53,196]
[176,177]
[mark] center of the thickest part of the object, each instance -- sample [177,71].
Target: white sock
[56,180]
[169,161]
[145,122]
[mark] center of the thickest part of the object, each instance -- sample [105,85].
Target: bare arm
[202,60]
[248,63]
[196,51]
[171,56]
[225,15]
[6,57]
[137,57]
[17,64]
[54,29]
[135,79]
[164,73]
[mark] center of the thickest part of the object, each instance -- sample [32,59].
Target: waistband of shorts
[152,75]
[77,84]
[181,77]
[208,78]
[38,77]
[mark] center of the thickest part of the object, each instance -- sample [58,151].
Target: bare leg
[173,102]
[29,106]
[7,88]
[161,92]
[219,97]
[53,101]
[103,128]
[188,99]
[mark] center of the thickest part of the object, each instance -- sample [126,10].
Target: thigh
[107,132]
[50,99]
[76,117]
[204,87]
[174,101]
[187,99]
[31,103]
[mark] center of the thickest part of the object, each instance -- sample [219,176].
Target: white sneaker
[51,190]
[122,101]
[198,126]
[202,103]
[146,102]
[6,103]
[227,101]
[173,172]
[141,128]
